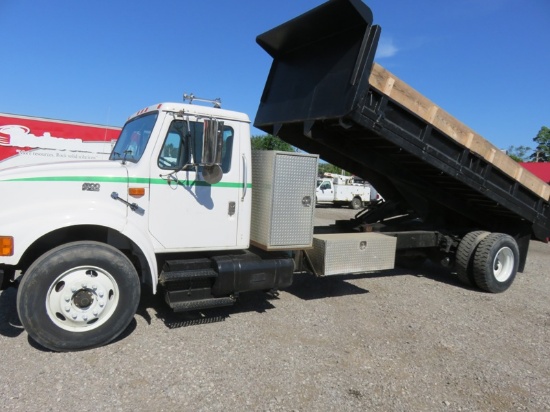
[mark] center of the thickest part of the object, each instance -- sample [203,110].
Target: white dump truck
[185,208]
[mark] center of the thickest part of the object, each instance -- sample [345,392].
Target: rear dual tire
[487,260]
[465,256]
[356,203]
[496,263]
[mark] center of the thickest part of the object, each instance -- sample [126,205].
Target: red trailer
[29,139]
[539,169]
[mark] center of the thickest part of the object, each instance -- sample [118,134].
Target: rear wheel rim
[503,264]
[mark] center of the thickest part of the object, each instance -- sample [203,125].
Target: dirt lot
[394,341]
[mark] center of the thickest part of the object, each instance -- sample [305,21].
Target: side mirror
[212,142]
[212,174]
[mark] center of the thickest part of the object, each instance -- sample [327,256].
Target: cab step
[174,271]
[201,304]
[181,275]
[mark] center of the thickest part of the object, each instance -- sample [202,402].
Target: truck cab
[324,191]
[171,205]
[190,177]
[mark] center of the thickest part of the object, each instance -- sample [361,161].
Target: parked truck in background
[30,139]
[341,190]
[184,207]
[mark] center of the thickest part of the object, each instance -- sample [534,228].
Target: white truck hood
[66,170]
[39,199]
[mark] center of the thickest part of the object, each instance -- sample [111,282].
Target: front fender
[39,200]
[27,224]
[143,241]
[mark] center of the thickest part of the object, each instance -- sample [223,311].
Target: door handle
[245,173]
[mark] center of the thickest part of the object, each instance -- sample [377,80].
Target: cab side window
[182,146]
[227,151]
[174,153]
[228,135]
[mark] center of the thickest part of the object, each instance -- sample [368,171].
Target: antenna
[217,103]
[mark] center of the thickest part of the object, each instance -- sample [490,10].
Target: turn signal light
[136,191]
[6,245]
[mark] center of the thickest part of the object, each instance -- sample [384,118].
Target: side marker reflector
[6,245]
[136,191]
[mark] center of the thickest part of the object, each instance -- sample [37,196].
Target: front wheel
[496,262]
[78,296]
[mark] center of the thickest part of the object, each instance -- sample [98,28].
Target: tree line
[270,142]
[540,153]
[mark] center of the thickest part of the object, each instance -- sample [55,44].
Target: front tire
[78,296]
[496,263]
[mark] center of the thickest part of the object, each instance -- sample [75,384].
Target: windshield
[133,138]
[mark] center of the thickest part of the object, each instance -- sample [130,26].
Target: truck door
[186,213]
[325,191]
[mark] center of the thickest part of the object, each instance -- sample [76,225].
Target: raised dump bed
[451,196]
[325,95]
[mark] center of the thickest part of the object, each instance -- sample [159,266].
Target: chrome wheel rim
[82,299]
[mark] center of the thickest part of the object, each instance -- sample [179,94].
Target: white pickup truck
[338,191]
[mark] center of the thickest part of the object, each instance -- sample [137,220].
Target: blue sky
[487,62]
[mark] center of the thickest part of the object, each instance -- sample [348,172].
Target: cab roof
[194,109]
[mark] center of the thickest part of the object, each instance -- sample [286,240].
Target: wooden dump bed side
[384,81]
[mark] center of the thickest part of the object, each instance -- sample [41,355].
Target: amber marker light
[6,245]
[136,191]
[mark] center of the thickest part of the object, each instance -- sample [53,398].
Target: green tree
[328,168]
[269,142]
[520,153]
[542,151]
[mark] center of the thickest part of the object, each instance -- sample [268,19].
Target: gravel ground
[392,341]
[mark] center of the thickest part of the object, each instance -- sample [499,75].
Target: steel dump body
[324,95]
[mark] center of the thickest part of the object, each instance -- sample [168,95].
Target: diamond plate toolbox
[342,253]
[283,199]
